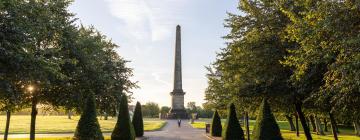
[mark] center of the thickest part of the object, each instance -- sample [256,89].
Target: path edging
[208,137]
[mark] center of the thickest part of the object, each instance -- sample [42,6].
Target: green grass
[287,136]
[20,124]
[54,138]
[346,133]
[292,136]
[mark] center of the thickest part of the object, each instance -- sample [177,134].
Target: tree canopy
[301,55]
[43,48]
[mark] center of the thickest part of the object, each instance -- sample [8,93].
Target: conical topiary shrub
[88,127]
[266,127]
[216,127]
[124,129]
[138,121]
[232,129]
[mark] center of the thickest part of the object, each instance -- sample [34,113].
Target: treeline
[302,55]
[152,110]
[45,58]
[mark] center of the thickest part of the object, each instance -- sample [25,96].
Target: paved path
[170,132]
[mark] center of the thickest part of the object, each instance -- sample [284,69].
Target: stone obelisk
[177,95]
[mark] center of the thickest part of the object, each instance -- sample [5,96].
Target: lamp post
[34,112]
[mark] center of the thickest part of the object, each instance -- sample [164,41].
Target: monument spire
[177,69]
[177,95]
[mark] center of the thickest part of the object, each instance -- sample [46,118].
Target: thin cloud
[157,78]
[150,20]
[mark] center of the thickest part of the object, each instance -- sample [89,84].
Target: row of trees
[151,109]
[45,58]
[302,55]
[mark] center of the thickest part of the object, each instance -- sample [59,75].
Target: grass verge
[20,124]
[345,133]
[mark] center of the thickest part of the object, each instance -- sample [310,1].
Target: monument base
[177,114]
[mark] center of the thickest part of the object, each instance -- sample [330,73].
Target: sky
[145,32]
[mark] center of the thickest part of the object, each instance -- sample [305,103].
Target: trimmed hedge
[88,127]
[137,121]
[233,130]
[216,127]
[124,129]
[266,127]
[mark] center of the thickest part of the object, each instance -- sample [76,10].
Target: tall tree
[93,65]
[250,66]
[88,127]
[232,129]
[164,109]
[191,107]
[325,60]
[137,121]
[124,129]
[150,109]
[216,127]
[266,126]
[41,23]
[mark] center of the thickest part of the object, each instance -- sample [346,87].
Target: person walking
[179,123]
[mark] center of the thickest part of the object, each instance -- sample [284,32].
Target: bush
[266,127]
[233,129]
[124,129]
[138,121]
[216,127]
[88,127]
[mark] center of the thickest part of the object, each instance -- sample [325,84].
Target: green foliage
[93,65]
[326,59]
[138,121]
[216,127]
[30,36]
[204,113]
[266,127]
[249,67]
[165,109]
[124,129]
[88,127]
[191,107]
[41,46]
[232,130]
[150,109]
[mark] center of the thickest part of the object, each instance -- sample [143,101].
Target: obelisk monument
[177,95]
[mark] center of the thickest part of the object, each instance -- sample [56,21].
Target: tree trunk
[319,129]
[106,115]
[247,125]
[291,123]
[308,122]
[33,118]
[69,114]
[297,125]
[325,125]
[8,115]
[333,126]
[303,121]
[357,127]
[312,121]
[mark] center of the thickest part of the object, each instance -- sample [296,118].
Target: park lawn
[54,138]
[345,133]
[292,136]
[20,124]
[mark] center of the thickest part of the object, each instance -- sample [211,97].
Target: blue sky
[145,32]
